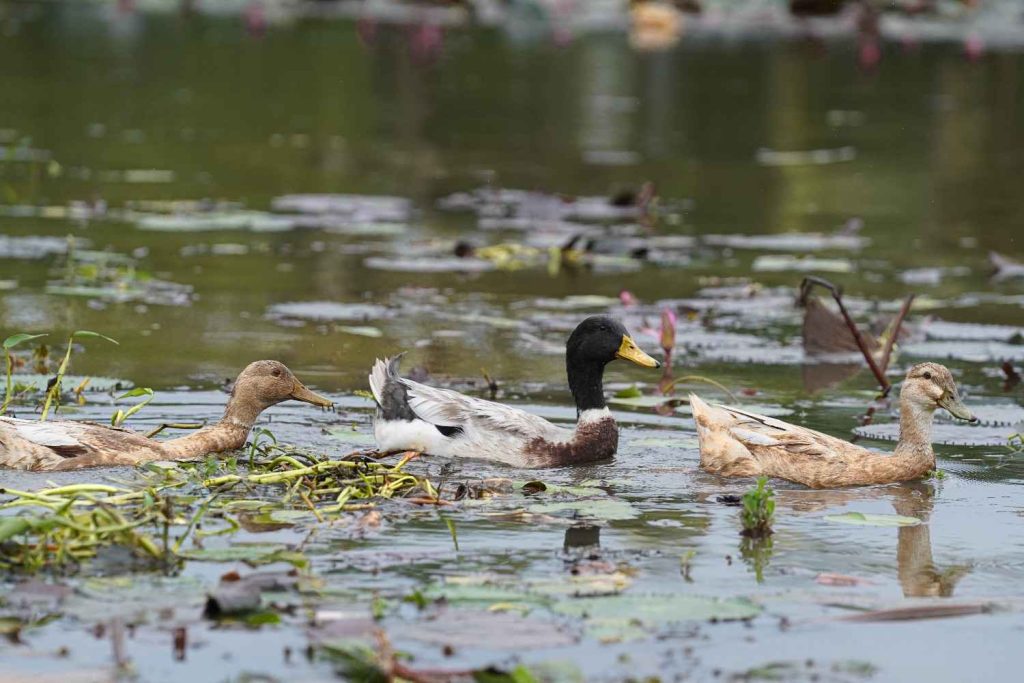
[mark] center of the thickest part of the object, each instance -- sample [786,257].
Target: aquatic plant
[60,527]
[53,392]
[118,418]
[758,511]
[9,344]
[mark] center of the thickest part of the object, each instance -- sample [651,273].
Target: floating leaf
[621,613]
[645,401]
[948,433]
[327,311]
[869,519]
[487,629]
[250,553]
[362,331]
[604,509]
[775,263]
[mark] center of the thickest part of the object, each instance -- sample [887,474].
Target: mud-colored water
[747,142]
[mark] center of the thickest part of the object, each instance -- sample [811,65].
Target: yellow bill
[628,350]
[301,393]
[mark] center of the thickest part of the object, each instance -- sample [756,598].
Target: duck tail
[388,390]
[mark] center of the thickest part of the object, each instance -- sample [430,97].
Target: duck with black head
[416,417]
[70,445]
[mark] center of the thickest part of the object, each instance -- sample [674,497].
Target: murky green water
[927,152]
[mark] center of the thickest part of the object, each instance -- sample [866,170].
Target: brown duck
[736,443]
[71,445]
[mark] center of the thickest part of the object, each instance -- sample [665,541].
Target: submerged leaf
[869,519]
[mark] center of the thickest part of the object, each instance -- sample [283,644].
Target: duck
[737,443]
[411,416]
[71,445]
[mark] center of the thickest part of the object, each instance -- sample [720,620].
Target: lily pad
[619,616]
[486,629]
[950,434]
[31,247]
[788,241]
[972,351]
[250,553]
[645,401]
[327,310]
[869,519]
[604,509]
[428,265]
[782,262]
[940,329]
[256,221]
[360,331]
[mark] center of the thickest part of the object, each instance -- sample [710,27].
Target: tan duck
[71,445]
[736,443]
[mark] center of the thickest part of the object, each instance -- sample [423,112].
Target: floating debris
[256,221]
[803,264]
[32,247]
[789,241]
[814,157]
[321,311]
[356,209]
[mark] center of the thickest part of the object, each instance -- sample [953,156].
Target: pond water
[186,151]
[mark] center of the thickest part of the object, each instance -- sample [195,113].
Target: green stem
[10,382]
[697,378]
[54,391]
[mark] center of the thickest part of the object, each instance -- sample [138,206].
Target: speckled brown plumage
[591,442]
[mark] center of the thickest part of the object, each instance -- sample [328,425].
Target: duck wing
[447,408]
[758,432]
[62,445]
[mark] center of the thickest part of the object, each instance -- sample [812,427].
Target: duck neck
[915,444]
[586,382]
[227,435]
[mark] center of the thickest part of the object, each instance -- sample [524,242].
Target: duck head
[600,339]
[594,343]
[929,386]
[265,383]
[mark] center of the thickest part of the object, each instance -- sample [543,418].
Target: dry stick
[837,294]
[895,332]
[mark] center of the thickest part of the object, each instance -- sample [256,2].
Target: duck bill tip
[301,393]
[959,411]
[628,350]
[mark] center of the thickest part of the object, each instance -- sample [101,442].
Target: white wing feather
[449,408]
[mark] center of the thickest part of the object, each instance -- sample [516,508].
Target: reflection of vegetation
[1015,442]
[758,511]
[756,552]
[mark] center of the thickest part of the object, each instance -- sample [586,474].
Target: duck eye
[927,375]
[276,372]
